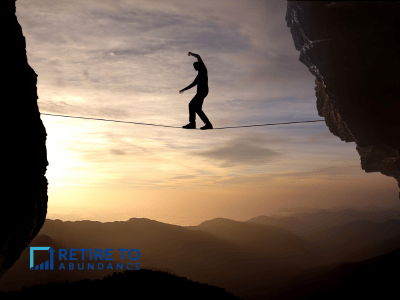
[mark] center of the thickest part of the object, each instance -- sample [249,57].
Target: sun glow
[62,161]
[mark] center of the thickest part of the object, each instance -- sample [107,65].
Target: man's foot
[207,126]
[190,126]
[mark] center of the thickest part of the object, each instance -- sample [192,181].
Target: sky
[128,60]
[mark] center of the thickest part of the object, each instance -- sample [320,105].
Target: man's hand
[196,55]
[181,91]
[193,54]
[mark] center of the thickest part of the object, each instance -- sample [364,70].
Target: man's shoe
[190,126]
[207,126]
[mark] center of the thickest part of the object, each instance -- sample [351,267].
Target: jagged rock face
[23,204]
[352,49]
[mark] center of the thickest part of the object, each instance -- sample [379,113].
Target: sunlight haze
[127,60]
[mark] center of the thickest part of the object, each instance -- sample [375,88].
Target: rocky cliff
[352,49]
[23,204]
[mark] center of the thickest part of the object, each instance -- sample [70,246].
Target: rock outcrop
[351,48]
[23,205]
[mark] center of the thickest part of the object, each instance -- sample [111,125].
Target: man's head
[196,65]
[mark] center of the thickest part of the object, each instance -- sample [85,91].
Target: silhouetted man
[202,91]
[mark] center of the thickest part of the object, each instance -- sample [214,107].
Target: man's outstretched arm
[189,86]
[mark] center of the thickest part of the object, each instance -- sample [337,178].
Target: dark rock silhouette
[24,192]
[352,50]
[145,284]
[375,278]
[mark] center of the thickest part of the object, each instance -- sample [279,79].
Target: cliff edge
[24,193]
[351,48]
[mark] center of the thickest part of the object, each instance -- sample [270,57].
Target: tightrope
[177,126]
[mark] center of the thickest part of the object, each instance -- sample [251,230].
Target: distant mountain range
[306,223]
[248,259]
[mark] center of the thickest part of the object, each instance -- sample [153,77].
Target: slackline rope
[176,126]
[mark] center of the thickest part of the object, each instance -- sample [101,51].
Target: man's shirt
[202,79]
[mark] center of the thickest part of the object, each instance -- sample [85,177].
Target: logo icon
[47,265]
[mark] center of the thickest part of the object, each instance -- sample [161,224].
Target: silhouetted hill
[376,208]
[357,232]
[344,207]
[279,245]
[356,237]
[142,284]
[289,223]
[247,259]
[384,246]
[325,218]
[196,255]
[375,278]
[352,239]
[162,246]
[310,223]
[297,209]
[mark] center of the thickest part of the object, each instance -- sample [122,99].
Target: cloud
[243,151]
[117,152]
[288,70]
[320,137]
[330,172]
[85,74]
[127,60]
[140,44]
[183,177]
[62,107]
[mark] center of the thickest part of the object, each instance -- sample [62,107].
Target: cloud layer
[127,60]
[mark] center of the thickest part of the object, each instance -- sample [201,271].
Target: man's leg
[200,112]
[192,113]
[192,109]
[203,116]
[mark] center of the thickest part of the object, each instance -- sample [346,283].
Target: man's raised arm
[197,56]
